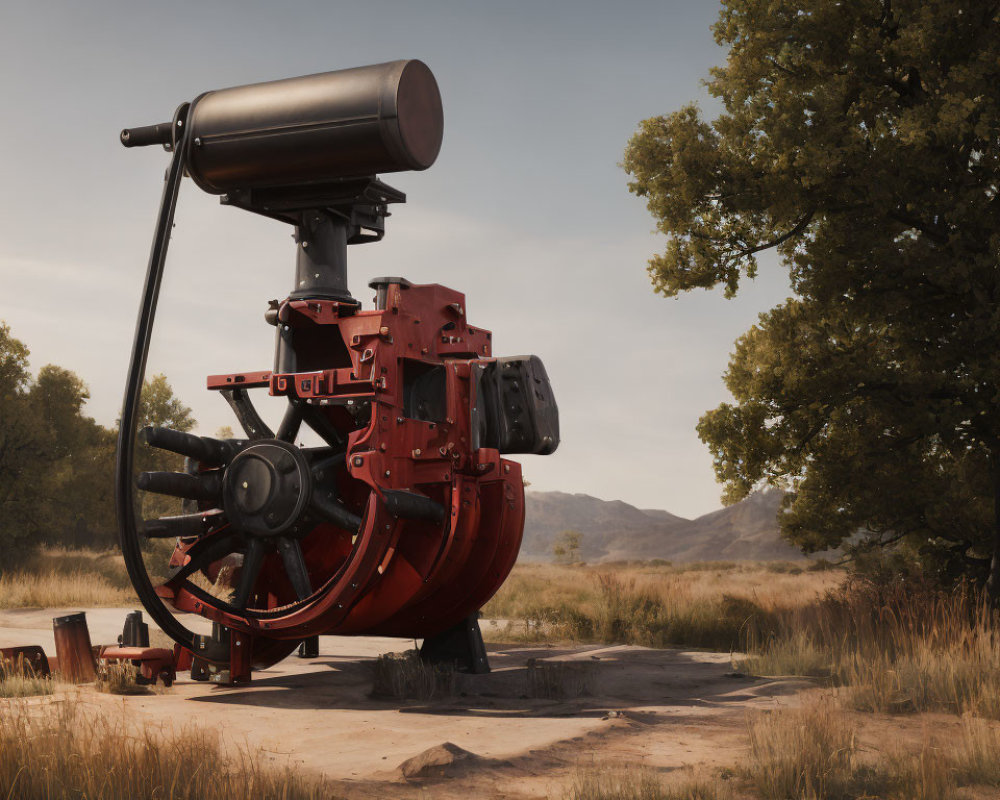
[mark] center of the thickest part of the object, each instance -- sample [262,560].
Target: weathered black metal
[124,505]
[309,647]
[517,411]
[135,633]
[316,128]
[461,646]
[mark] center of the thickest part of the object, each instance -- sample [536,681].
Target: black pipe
[124,501]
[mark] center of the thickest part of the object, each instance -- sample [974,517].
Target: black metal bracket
[361,202]
[460,646]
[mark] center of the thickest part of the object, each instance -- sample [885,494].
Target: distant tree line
[57,464]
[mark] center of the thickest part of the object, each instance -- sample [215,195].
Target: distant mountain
[616,531]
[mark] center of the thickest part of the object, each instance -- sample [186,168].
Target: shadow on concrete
[619,678]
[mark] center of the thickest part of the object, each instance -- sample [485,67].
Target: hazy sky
[526,209]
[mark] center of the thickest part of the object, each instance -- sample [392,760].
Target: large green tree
[57,464]
[859,140]
[24,455]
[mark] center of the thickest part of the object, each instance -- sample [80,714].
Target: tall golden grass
[709,605]
[55,577]
[814,753]
[405,676]
[56,752]
[898,646]
[18,679]
[636,782]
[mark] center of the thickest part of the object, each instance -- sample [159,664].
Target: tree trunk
[993,582]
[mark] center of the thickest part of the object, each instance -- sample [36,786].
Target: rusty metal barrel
[73,648]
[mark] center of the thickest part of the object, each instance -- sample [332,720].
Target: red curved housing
[398,383]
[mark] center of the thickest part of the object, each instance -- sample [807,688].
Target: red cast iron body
[395,577]
[408,519]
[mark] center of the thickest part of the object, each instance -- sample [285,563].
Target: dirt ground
[665,708]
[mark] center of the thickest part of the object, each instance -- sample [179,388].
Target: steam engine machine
[408,517]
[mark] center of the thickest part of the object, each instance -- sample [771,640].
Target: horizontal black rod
[179,484]
[214,452]
[410,505]
[146,135]
[183,525]
[334,512]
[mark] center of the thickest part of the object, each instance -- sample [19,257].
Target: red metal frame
[154,663]
[397,577]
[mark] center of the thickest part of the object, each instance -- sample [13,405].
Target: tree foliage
[23,455]
[566,548]
[860,140]
[56,463]
[159,407]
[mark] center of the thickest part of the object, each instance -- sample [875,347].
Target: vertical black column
[321,258]
[320,274]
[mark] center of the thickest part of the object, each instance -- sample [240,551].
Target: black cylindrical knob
[349,123]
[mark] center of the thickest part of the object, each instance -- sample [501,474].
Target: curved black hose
[124,501]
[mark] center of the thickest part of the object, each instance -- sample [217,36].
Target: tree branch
[795,231]
[916,223]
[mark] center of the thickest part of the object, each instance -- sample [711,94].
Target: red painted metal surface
[154,663]
[400,577]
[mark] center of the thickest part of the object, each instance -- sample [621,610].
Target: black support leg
[461,645]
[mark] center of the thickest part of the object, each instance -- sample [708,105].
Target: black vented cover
[516,407]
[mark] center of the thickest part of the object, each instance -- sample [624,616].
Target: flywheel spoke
[251,422]
[204,449]
[183,525]
[295,566]
[321,424]
[319,467]
[290,423]
[332,511]
[206,551]
[204,486]
[253,560]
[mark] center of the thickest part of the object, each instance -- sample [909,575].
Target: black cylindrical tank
[317,128]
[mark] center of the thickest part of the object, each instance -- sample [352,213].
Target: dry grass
[54,752]
[25,685]
[641,783]
[710,605]
[898,648]
[893,646]
[55,577]
[813,753]
[404,676]
[18,679]
[559,680]
[119,677]
[804,753]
